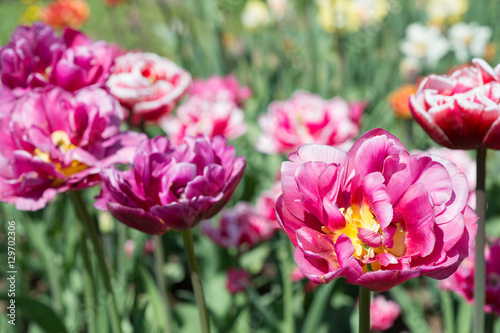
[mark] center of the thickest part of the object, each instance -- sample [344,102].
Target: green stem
[364,310]
[284,256]
[480,268]
[160,280]
[187,237]
[89,286]
[89,226]
[448,313]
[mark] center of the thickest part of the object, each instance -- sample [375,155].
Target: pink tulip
[237,280]
[383,313]
[219,87]
[468,166]
[307,118]
[172,187]
[29,54]
[84,63]
[149,246]
[148,84]
[461,111]
[462,281]
[239,226]
[129,248]
[377,215]
[36,56]
[203,116]
[53,141]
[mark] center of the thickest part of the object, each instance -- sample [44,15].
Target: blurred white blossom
[350,15]
[425,44]
[446,11]
[278,8]
[469,40]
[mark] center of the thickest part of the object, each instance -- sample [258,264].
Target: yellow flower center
[361,217]
[61,140]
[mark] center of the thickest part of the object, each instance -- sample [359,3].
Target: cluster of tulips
[368,211]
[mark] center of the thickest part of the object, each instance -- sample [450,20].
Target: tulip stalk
[160,280]
[194,268]
[88,225]
[480,264]
[364,310]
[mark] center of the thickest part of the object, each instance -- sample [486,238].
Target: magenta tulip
[377,215]
[172,187]
[52,141]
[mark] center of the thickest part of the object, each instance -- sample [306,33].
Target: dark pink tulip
[53,141]
[36,56]
[237,280]
[461,111]
[462,281]
[383,313]
[148,84]
[84,63]
[377,215]
[172,187]
[29,54]
[239,226]
[220,87]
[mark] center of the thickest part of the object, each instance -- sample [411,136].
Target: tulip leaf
[316,310]
[413,314]
[464,321]
[154,297]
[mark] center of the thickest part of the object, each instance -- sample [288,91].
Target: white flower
[425,44]
[446,11]
[469,40]
[255,15]
[278,8]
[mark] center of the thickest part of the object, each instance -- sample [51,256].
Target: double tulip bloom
[148,85]
[213,108]
[52,140]
[172,187]
[239,226]
[36,57]
[461,111]
[308,118]
[377,215]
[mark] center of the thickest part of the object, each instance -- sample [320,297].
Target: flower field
[249,166]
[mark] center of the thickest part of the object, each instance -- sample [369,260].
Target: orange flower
[398,100]
[65,13]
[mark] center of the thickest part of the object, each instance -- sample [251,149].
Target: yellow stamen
[362,217]
[61,140]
